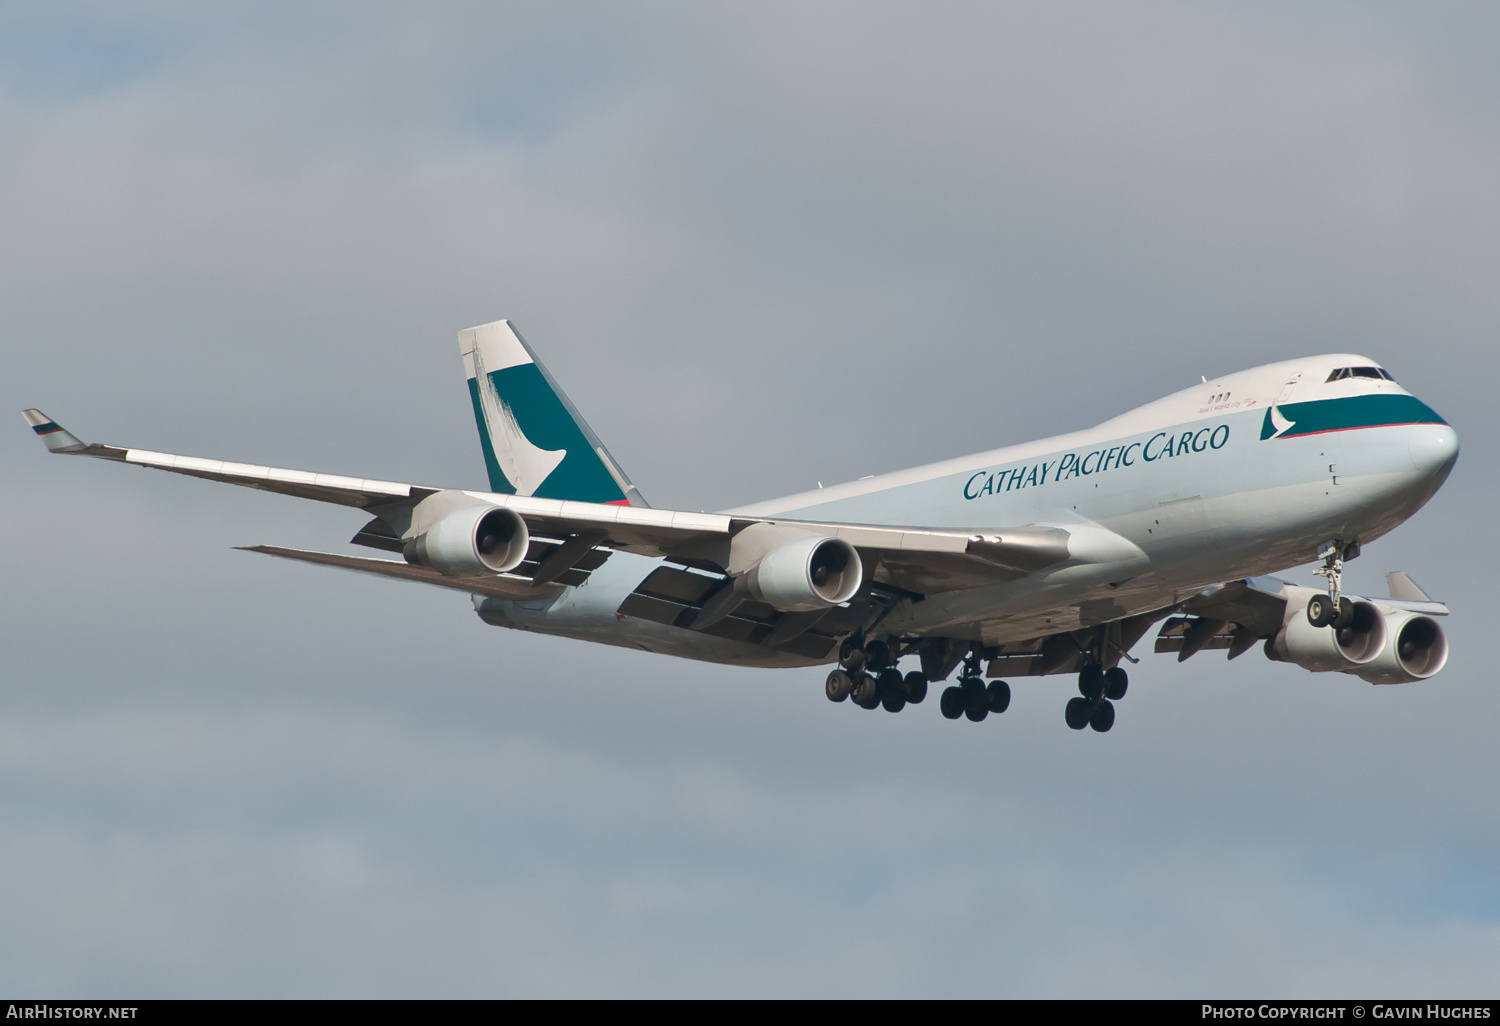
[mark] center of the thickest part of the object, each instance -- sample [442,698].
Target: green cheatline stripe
[45,429]
[1355,411]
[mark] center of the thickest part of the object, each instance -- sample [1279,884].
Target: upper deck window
[1360,372]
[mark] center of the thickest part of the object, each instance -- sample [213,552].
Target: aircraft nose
[1433,448]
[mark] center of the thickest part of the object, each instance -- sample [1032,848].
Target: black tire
[877,655]
[851,656]
[838,686]
[916,687]
[976,699]
[866,692]
[1091,681]
[1345,616]
[1116,681]
[998,694]
[1320,611]
[1103,717]
[892,690]
[1077,713]
[951,702]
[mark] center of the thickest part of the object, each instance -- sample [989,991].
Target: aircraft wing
[346,491]
[909,559]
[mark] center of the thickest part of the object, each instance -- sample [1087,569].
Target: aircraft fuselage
[1237,477]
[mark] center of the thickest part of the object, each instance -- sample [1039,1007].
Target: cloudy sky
[761,245]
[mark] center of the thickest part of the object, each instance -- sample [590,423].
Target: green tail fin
[535,442]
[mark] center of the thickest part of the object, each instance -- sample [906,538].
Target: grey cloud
[760,247]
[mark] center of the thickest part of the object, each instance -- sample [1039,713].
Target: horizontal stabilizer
[501,587]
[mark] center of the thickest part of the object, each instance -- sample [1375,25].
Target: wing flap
[675,595]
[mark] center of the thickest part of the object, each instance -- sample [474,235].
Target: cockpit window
[1360,372]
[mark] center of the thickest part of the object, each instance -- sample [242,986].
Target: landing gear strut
[972,697]
[1333,609]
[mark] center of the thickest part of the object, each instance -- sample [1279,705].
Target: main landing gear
[1099,690]
[972,697]
[867,673]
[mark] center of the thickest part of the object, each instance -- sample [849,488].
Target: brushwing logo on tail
[526,466]
[535,443]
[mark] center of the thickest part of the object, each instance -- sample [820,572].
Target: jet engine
[810,573]
[1349,645]
[1415,649]
[472,540]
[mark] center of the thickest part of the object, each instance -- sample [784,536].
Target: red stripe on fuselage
[1357,427]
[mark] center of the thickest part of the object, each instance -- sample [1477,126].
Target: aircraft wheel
[851,656]
[866,691]
[916,687]
[976,699]
[1077,713]
[877,655]
[1116,680]
[1321,611]
[1103,717]
[839,685]
[1091,681]
[998,694]
[1345,615]
[892,690]
[952,702]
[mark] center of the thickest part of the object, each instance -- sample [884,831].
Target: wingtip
[53,435]
[1399,585]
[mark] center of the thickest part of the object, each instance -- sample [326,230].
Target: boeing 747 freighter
[1052,557]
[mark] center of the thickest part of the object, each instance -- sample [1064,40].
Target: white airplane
[1051,557]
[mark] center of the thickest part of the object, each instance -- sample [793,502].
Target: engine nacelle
[472,540]
[806,574]
[1350,647]
[1415,649]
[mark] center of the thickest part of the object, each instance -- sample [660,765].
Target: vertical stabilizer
[535,442]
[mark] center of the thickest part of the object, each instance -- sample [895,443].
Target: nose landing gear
[1332,610]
